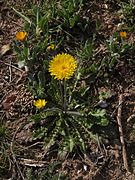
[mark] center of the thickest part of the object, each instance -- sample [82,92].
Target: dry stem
[124,154]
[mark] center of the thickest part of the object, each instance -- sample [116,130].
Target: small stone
[102,104]
[85,167]
[6,77]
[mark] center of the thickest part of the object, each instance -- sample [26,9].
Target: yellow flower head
[51,47]
[40,103]
[21,35]
[123,34]
[62,66]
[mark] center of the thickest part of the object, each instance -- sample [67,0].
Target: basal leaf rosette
[62,66]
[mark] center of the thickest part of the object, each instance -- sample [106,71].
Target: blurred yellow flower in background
[62,66]
[123,34]
[51,47]
[21,35]
[40,103]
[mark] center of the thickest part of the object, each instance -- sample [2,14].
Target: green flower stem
[65,95]
[61,93]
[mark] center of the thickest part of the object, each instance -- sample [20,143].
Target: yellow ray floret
[21,35]
[62,66]
[40,103]
[51,47]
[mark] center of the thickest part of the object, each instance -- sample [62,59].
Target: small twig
[14,22]
[131,117]
[87,160]
[98,171]
[99,145]
[115,110]
[14,67]
[124,153]
[13,155]
[10,72]
[32,163]
[37,143]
